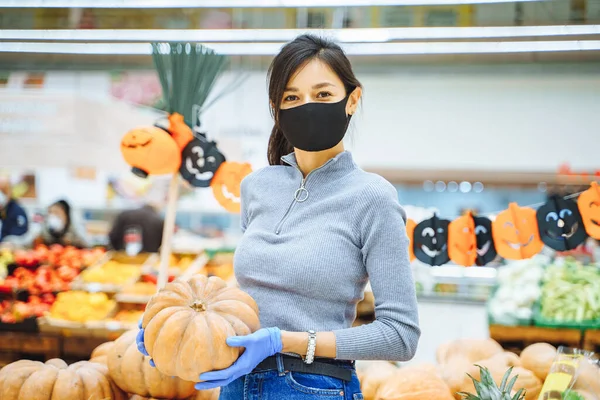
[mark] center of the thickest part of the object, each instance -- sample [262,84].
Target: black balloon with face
[200,160]
[560,224]
[430,241]
[486,251]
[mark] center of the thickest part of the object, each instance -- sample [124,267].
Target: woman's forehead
[313,75]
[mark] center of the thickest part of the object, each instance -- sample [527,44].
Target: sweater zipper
[300,196]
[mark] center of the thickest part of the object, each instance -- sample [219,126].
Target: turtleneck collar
[342,162]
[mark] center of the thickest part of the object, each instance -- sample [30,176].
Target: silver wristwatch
[312,345]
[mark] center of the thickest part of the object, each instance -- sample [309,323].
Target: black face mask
[315,126]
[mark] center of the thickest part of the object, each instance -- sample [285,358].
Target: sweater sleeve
[395,333]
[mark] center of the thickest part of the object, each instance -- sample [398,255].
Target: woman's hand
[139,341]
[261,344]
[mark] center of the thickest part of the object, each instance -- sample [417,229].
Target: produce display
[112,272]
[78,306]
[571,293]
[479,370]
[58,256]
[197,302]
[518,290]
[6,258]
[45,269]
[132,372]
[35,306]
[140,289]
[83,380]
[179,262]
[44,279]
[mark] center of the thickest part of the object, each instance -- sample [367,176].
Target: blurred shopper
[138,230]
[13,219]
[316,228]
[59,227]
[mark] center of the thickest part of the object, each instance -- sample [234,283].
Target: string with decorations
[187,73]
[517,233]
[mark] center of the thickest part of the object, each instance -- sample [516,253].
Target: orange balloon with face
[515,233]
[589,208]
[410,231]
[150,151]
[462,240]
[226,184]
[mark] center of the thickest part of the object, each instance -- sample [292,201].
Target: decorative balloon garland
[187,73]
[517,233]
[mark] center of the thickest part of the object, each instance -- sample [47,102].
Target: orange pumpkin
[100,352]
[410,231]
[226,184]
[515,233]
[132,372]
[414,384]
[188,321]
[538,358]
[83,380]
[212,394]
[151,151]
[181,133]
[589,208]
[462,241]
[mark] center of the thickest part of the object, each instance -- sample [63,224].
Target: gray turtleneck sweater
[310,246]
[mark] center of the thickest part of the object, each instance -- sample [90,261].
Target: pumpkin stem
[198,306]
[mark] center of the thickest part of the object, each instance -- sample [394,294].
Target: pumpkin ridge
[162,342]
[158,302]
[212,320]
[159,320]
[243,316]
[178,366]
[236,323]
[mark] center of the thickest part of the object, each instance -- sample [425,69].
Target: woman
[317,228]
[59,228]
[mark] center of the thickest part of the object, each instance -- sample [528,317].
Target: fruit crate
[141,260]
[591,340]
[541,321]
[27,325]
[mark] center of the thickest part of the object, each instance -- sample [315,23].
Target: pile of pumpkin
[385,381]
[116,371]
[185,326]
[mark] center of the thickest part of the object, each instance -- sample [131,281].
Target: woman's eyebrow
[322,85]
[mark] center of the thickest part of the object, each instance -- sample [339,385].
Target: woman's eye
[323,95]
[291,97]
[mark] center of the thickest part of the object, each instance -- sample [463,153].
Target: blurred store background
[468,105]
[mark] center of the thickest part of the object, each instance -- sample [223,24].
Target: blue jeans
[284,385]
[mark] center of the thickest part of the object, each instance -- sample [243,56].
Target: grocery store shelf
[235,3]
[359,35]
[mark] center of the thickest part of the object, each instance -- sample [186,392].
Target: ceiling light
[357,49]
[361,35]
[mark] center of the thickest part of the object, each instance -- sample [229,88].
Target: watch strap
[312,346]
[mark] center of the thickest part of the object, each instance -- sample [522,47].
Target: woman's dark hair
[291,57]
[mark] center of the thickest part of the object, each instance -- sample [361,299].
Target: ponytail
[279,146]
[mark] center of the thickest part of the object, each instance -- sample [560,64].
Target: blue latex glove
[139,341]
[261,344]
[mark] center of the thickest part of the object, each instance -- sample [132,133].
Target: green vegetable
[571,292]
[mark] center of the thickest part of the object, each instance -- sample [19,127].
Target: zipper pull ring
[301,194]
